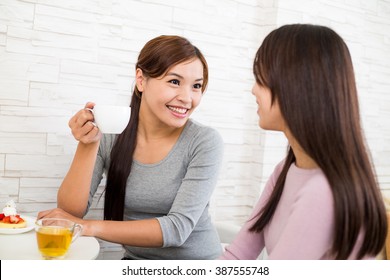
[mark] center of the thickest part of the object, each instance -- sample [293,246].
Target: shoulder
[318,186]
[312,187]
[198,139]
[200,133]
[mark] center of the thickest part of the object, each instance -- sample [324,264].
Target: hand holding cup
[82,126]
[88,124]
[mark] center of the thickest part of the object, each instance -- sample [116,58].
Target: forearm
[140,233]
[74,191]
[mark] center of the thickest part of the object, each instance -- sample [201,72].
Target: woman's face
[270,117]
[170,99]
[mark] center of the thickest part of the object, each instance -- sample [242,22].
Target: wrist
[87,228]
[89,146]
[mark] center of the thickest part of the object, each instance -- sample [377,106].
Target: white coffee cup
[111,119]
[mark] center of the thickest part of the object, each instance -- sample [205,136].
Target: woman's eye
[175,82]
[198,86]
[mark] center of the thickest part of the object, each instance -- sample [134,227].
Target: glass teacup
[54,236]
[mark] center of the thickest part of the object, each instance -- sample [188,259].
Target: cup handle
[77,229]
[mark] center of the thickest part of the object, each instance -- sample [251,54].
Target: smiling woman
[161,171]
[172,97]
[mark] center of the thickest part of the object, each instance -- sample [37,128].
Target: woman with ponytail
[161,170]
[322,201]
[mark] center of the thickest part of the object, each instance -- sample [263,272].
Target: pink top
[302,225]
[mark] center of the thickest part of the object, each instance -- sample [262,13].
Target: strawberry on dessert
[9,218]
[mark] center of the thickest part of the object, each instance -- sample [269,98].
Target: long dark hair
[155,59]
[309,71]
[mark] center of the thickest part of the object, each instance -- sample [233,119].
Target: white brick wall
[55,55]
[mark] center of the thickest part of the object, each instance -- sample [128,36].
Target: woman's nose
[185,95]
[253,90]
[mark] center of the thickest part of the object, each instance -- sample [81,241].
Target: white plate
[30,225]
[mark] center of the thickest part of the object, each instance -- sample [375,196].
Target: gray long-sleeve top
[176,191]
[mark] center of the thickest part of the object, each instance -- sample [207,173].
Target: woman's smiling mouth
[178,110]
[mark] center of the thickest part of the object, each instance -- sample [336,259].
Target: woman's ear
[139,79]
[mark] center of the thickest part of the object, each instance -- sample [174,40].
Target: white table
[23,246]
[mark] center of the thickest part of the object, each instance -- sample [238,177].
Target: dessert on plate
[9,217]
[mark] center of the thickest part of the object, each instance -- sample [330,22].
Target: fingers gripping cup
[54,236]
[111,119]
